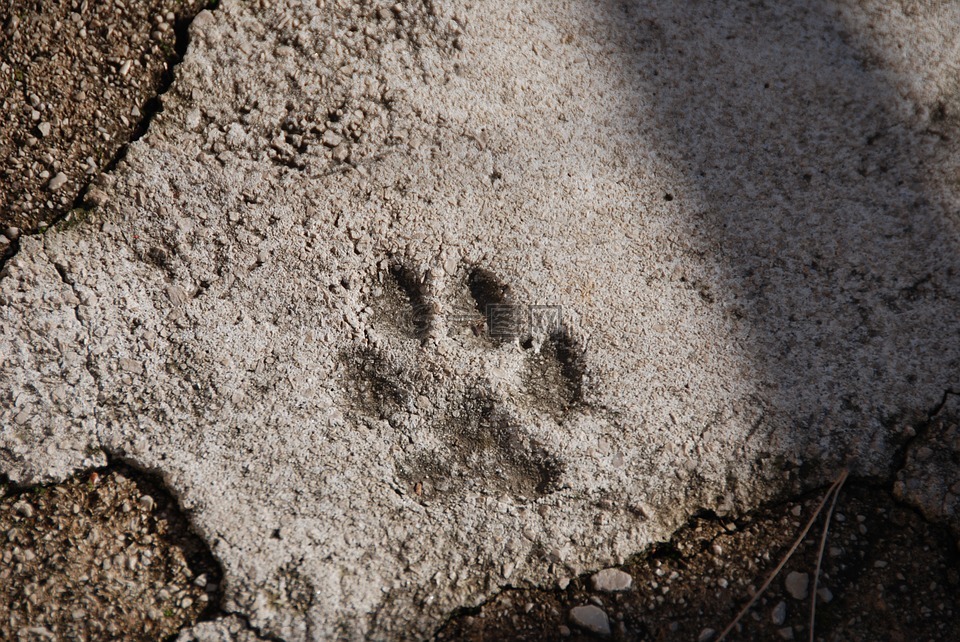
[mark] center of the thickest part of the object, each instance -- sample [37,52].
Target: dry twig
[834,488]
[823,544]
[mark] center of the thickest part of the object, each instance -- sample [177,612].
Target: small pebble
[611,580]
[57,182]
[330,138]
[24,509]
[44,129]
[786,633]
[341,152]
[779,614]
[591,618]
[95,197]
[705,635]
[797,585]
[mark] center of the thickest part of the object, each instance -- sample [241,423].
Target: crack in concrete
[255,630]
[899,457]
[151,108]
[87,343]
[668,549]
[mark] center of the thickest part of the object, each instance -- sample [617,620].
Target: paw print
[474,395]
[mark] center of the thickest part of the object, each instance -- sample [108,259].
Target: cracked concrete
[748,217]
[930,477]
[228,628]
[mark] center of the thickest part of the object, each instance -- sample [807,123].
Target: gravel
[779,614]
[86,560]
[57,182]
[871,603]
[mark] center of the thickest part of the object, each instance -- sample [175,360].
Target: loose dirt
[104,556]
[886,575]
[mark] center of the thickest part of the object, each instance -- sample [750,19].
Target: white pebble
[23,508]
[57,182]
[611,580]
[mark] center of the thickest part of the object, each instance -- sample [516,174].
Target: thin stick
[823,545]
[803,533]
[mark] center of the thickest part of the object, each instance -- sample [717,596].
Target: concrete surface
[748,216]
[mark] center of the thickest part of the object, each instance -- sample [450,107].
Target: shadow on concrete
[805,178]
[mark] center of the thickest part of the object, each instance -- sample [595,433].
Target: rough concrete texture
[747,214]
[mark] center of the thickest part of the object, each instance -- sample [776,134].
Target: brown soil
[105,556]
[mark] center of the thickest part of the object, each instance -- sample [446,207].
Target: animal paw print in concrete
[469,408]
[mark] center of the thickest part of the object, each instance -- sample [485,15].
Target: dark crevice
[65,277]
[250,626]
[71,282]
[154,105]
[9,253]
[289,163]
[899,458]
[148,111]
